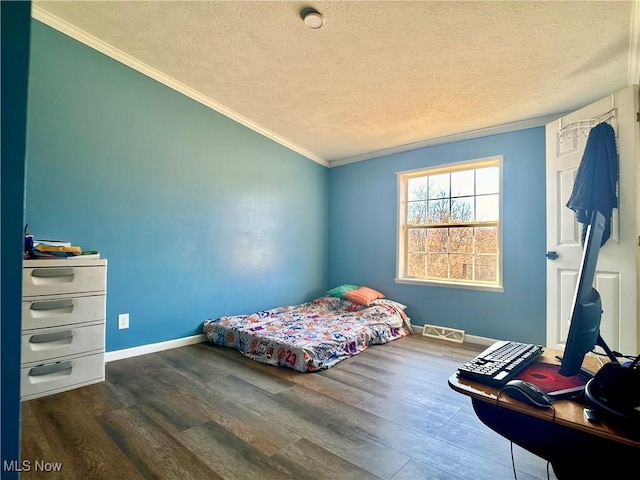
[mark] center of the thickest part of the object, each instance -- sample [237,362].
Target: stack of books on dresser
[57,249]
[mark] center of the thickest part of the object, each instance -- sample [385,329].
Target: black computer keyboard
[500,363]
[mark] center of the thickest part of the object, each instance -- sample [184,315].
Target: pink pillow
[363,295]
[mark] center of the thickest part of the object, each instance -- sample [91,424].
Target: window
[449,224]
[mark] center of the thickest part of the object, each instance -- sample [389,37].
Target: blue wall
[197,215]
[362,237]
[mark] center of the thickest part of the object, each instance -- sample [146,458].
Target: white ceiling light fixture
[312,18]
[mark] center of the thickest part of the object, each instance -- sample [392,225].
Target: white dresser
[63,325]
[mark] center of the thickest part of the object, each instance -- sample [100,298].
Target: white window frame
[401,237]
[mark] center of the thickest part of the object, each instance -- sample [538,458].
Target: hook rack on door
[582,127]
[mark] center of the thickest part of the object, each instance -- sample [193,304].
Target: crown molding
[87,39]
[457,137]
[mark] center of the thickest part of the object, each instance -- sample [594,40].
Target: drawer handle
[51,337]
[52,304]
[52,272]
[50,369]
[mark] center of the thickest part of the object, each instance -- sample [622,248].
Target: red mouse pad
[546,376]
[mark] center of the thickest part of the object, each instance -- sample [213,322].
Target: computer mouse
[528,393]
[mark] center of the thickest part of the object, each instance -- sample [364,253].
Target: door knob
[552,255]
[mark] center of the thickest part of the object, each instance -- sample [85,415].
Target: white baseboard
[153,347]
[183,342]
[479,340]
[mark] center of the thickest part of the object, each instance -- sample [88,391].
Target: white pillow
[386,301]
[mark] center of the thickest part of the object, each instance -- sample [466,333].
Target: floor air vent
[443,333]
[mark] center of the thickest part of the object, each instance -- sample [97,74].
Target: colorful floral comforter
[311,336]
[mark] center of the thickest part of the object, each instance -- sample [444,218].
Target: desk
[574,446]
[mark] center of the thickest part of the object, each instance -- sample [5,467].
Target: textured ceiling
[378,77]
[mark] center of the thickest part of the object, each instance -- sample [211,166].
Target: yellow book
[50,248]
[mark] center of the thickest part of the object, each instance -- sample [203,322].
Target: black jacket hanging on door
[596,180]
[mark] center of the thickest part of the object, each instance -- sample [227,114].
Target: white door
[616,275]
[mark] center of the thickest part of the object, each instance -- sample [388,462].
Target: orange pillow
[363,295]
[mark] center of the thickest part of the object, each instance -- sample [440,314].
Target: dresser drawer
[52,343]
[55,311]
[60,376]
[54,280]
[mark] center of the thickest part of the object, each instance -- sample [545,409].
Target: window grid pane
[453,225]
[459,253]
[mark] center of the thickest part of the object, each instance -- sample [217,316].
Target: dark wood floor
[206,412]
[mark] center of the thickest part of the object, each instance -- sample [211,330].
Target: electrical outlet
[123,321]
